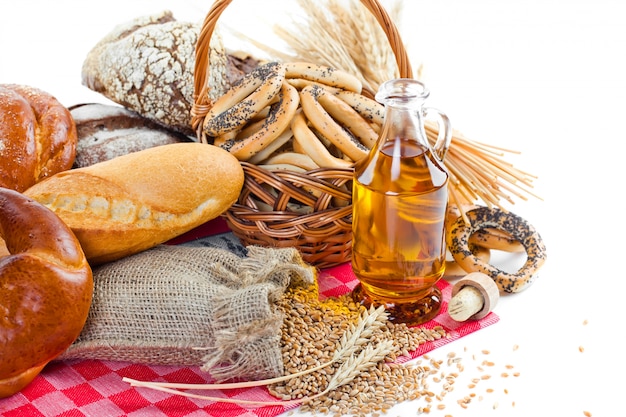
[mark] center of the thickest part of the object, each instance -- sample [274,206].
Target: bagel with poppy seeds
[312,99]
[488,238]
[459,233]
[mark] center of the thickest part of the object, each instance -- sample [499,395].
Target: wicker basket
[311,211]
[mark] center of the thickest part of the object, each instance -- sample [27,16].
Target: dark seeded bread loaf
[107,131]
[147,66]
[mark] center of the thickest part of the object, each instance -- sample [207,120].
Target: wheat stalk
[335,39]
[350,38]
[350,369]
[366,42]
[479,171]
[354,339]
[360,333]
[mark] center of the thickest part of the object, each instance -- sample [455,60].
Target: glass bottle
[400,198]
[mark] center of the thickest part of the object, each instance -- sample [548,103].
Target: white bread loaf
[134,202]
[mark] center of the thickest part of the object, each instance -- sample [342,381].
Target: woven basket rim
[263,215]
[202,104]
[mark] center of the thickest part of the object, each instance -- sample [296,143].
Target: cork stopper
[473,297]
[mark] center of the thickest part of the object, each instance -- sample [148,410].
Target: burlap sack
[197,306]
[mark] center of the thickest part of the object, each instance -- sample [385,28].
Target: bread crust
[147,65]
[133,202]
[46,291]
[108,131]
[37,136]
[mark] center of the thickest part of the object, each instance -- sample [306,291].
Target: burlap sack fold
[193,306]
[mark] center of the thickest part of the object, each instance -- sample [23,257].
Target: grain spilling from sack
[311,331]
[314,329]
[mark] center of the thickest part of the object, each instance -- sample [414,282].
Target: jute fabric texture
[196,306]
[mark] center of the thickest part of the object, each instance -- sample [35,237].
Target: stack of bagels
[297,116]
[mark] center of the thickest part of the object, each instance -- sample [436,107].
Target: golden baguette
[134,202]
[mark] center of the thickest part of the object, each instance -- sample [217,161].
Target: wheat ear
[351,341]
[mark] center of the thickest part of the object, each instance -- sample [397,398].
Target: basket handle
[201,104]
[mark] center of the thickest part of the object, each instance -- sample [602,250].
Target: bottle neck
[403,122]
[404,100]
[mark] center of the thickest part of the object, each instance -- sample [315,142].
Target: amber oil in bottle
[399,199]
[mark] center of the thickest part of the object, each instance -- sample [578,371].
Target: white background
[545,78]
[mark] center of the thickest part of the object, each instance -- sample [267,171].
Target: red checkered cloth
[80,388]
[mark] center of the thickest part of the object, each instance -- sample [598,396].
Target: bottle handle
[444,135]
